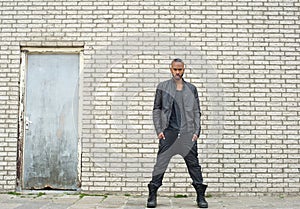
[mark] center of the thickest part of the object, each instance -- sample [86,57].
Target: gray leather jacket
[163,102]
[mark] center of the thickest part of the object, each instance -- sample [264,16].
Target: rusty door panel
[51,114]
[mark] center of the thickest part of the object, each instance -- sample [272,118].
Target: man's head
[177,69]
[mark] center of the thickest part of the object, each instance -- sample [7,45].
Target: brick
[249,48]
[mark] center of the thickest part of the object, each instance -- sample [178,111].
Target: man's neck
[179,84]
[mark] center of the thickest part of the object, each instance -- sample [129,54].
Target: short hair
[177,60]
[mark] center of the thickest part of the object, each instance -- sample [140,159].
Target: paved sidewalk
[63,201]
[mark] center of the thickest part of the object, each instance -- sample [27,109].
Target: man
[176,117]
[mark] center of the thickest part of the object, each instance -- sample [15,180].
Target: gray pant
[173,144]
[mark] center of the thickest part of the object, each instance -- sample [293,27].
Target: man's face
[177,70]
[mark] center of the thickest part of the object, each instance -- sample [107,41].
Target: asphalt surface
[77,201]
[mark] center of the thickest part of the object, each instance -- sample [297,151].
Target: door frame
[25,51]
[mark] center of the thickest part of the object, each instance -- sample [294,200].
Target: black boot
[151,203]
[200,189]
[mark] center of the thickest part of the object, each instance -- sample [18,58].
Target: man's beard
[177,77]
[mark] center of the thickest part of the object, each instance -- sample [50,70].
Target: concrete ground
[76,201]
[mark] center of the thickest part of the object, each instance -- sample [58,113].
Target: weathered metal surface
[51,113]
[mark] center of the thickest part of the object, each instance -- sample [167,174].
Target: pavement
[82,201]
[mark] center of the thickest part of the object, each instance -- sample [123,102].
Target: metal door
[51,130]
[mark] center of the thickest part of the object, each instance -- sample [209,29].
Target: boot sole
[151,205]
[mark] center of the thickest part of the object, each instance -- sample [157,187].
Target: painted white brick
[252,55]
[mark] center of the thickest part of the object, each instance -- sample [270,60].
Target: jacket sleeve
[157,108]
[197,113]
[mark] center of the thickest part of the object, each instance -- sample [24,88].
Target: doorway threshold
[50,191]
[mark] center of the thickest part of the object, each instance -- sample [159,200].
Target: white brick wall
[242,55]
